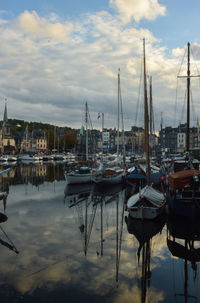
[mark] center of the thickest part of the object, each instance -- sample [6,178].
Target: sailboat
[83,174]
[184,185]
[138,172]
[148,203]
[114,174]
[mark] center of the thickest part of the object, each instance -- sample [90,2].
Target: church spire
[5,122]
[5,116]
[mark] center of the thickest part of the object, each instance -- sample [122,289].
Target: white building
[106,138]
[181,142]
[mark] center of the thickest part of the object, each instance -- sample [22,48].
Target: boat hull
[146,213]
[109,180]
[78,178]
[183,208]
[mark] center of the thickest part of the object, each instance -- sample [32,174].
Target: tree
[68,141]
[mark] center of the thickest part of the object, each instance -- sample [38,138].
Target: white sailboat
[82,174]
[147,203]
[114,174]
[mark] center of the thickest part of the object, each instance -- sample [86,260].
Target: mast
[102,227]
[102,131]
[26,134]
[151,114]
[188,101]
[122,119]
[118,112]
[86,123]
[188,97]
[146,120]
[54,143]
[58,142]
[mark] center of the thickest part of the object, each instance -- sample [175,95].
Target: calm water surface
[54,249]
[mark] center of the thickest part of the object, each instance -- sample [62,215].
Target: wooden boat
[148,203]
[184,188]
[109,176]
[184,193]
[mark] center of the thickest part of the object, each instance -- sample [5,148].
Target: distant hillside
[20,125]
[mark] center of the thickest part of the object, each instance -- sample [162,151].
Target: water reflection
[33,173]
[183,241]
[75,245]
[7,242]
[144,231]
[88,199]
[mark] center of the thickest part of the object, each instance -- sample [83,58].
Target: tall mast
[146,120]
[86,123]
[122,119]
[54,143]
[188,101]
[102,131]
[118,112]
[188,97]
[151,114]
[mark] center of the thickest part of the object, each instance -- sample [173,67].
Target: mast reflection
[8,242]
[144,231]
[183,241]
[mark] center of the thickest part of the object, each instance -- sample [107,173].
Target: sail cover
[182,178]
[149,193]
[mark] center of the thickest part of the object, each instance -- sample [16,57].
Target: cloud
[177,52]
[51,66]
[31,24]
[138,9]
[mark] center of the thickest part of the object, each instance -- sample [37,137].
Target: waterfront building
[8,142]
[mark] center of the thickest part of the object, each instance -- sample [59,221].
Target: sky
[57,55]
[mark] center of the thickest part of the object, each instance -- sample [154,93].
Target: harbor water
[77,243]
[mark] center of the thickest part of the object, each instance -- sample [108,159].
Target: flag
[99,116]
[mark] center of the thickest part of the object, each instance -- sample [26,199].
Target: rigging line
[195,64]
[183,108]
[90,121]
[138,99]
[175,105]
[173,275]
[122,121]
[54,263]
[193,112]
[153,119]
[182,61]
[8,238]
[121,230]
[91,225]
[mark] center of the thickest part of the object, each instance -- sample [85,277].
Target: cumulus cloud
[31,24]
[177,52]
[138,9]
[50,67]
